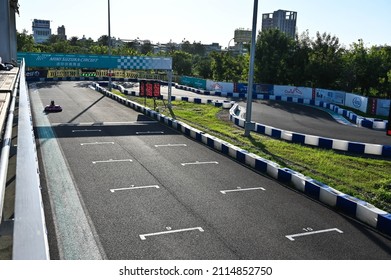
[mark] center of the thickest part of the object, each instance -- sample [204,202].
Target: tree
[132,45]
[181,63]
[53,39]
[273,55]
[325,61]
[204,68]
[62,46]
[74,41]
[103,40]
[299,61]
[226,67]
[199,49]
[25,42]
[187,47]
[383,58]
[146,48]
[217,66]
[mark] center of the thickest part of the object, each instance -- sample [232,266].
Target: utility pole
[248,125]
[109,43]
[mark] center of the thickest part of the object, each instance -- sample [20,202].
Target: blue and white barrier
[346,204]
[312,140]
[226,104]
[358,120]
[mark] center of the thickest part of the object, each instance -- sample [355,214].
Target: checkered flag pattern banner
[144,63]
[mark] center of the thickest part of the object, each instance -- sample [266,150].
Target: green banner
[55,60]
[193,82]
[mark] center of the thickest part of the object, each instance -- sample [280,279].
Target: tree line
[320,62]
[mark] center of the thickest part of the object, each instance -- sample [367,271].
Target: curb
[312,140]
[226,104]
[343,203]
[358,120]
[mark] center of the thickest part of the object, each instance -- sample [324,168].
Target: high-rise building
[61,32]
[41,30]
[283,20]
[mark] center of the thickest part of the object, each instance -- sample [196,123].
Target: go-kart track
[301,119]
[312,121]
[123,186]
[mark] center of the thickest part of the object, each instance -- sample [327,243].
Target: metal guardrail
[29,229]
[5,151]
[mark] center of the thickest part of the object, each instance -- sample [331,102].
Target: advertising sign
[35,75]
[292,91]
[330,96]
[257,88]
[61,73]
[56,60]
[356,102]
[193,82]
[219,86]
[383,107]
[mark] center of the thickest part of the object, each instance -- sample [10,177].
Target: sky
[208,21]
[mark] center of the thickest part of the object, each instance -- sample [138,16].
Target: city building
[241,38]
[41,30]
[61,32]
[283,20]
[214,47]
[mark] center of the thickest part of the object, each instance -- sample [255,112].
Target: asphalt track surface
[310,120]
[152,193]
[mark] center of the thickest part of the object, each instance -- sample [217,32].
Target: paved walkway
[7,83]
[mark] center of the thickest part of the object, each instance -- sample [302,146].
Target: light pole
[109,43]
[248,125]
[229,42]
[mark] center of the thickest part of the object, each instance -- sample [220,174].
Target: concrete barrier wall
[348,205]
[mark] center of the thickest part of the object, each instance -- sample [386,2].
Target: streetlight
[229,42]
[109,43]
[248,125]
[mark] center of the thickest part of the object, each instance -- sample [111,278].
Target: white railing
[29,235]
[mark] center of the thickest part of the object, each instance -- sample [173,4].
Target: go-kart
[53,107]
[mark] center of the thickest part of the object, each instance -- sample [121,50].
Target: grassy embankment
[366,178]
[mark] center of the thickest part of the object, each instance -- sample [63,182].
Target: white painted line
[112,160]
[171,145]
[133,188]
[102,123]
[199,162]
[242,190]
[144,236]
[97,143]
[86,130]
[130,122]
[149,132]
[291,237]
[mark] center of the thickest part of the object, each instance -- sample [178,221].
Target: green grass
[366,178]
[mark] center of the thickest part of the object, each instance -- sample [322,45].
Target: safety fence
[28,225]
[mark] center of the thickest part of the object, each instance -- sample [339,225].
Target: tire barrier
[358,120]
[226,104]
[343,203]
[312,140]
